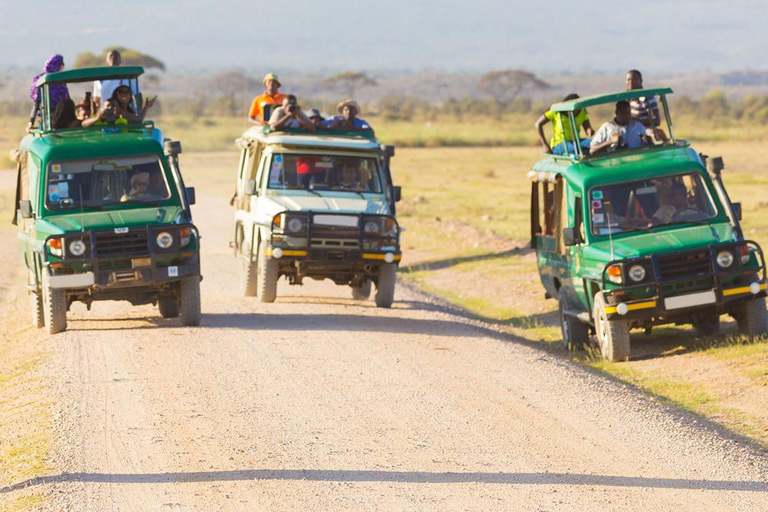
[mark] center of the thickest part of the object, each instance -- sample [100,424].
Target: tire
[189,312]
[612,335]
[362,292]
[168,307]
[248,277]
[752,317]
[54,308]
[38,310]
[385,288]
[709,326]
[575,332]
[267,273]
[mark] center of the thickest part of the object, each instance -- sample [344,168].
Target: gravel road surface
[317,402]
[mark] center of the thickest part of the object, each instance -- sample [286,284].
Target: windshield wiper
[349,189]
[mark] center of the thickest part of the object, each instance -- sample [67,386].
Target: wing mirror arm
[571,237]
[25,209]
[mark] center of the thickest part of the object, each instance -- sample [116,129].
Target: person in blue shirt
[347,120]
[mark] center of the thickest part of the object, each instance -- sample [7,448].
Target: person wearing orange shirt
[270,97]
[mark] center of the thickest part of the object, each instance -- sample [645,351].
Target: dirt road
[319,403]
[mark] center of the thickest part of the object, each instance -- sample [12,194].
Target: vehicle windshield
[324,172]
[103,181]
[645,204]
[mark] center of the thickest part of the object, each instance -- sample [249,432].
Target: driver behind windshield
[139,186]
[350,177]
[678,203]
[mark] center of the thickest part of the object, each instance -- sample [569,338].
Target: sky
[469,36]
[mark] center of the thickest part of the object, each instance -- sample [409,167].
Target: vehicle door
[573,216]
[547,199]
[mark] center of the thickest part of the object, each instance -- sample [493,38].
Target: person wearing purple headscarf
[57,92]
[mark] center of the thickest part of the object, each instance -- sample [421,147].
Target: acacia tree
[508,84]
[230,88]
[349,82]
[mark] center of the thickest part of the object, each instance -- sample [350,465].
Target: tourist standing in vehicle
[624,132]
[106,88]
[289,115]
[347,120]
[107,116]
[64,116]
[562,135]
[315,116]
[57,92]
[271,96]
[645,110]
[123,99]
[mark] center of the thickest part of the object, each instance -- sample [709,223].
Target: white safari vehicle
[316,205]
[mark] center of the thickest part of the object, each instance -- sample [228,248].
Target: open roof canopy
[601,99]
[90,74]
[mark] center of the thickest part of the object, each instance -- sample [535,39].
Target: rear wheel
[575,332]
[612,335]
[362,292]
[752,317]
[267,272]
[38,311]
[168,307]
[54,308]
[385,287]
[189,309]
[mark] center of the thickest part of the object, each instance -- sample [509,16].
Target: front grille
[684,266]
[113,245]
[321,231]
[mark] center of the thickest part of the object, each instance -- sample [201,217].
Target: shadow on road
[452,262]
[419,477]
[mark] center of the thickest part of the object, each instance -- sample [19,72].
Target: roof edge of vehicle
[90,74]
[326,139]
[602,99]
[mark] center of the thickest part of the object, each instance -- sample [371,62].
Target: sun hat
[313,112]
[348,103]
[271,76]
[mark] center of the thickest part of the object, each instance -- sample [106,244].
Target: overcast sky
[552,35]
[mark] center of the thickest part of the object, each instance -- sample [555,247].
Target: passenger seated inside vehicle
[107,116]
[562,135]
[622,132]
[324,172]
[64,116]
[289,115]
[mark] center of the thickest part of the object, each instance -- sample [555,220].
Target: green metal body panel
[90,74]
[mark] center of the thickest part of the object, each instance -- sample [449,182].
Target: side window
[33,170]
[263,174]
[242,165]
[578,218]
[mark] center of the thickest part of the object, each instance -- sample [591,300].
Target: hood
[646,244]
[115,218]
[327,202]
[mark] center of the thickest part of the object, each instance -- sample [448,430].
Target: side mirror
[571,236]
[398,193]
[737,211]
[25,208]
[388,150]
[250,187]
[172,148]
[190,195]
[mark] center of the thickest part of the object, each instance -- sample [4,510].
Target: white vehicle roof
[311,140]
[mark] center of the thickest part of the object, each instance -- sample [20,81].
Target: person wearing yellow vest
[270,97]
[562,135]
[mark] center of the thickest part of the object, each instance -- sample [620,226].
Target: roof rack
[366,134]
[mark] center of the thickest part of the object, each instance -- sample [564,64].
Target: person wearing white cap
[271,96]
[139,185]
[347,120]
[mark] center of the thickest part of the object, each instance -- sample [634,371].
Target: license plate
[690,300]
[141,262]
[337,220]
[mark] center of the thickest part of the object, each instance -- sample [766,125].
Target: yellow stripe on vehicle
[268,252]
[369,256]
[741,290]
[633,307]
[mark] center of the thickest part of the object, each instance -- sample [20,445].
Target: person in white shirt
[106,88]
[623,132]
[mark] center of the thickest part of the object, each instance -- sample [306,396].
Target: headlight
[77,248]
[636,273]
[371,227]
[725,259]
[614,274]
[54,245]
[294,225]
[164,240]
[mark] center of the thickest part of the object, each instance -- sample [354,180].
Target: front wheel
[612,335]
[267,270]
[362,292]
[707,326]
[54,308]
[752,317]
[575,333]
[189,310]
[38,310]
[248,277]
[168,307]
[385,287]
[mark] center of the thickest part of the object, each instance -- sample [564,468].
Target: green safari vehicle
[103,214]
[634,238]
